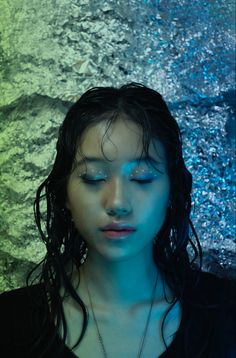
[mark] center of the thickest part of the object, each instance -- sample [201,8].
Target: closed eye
[86,180]
[144,181]
[91,181]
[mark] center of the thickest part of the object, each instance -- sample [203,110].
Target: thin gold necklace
[146,326]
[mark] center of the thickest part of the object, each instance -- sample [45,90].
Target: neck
[122,283]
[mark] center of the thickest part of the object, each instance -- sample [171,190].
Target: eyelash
[95,182]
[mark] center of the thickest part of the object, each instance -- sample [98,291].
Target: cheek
[155,207]
[84,210]
[83,218]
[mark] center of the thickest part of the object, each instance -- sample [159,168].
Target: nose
[118,200]
[117,211]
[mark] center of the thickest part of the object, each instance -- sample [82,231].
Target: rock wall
[52,51]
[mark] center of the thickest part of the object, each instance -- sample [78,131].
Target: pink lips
[112,234]
[118,235]
[117,230]
[118,227]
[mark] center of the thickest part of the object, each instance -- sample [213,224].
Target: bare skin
[121,329]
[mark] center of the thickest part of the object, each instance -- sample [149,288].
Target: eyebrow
[101,160]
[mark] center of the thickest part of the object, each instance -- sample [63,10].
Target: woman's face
[118,184]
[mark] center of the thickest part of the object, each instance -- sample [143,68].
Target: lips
[118,227]
[118,235]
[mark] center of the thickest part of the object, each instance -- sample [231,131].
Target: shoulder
[17,308]
[24,297]
[27,330]
[207,288]
[211,314]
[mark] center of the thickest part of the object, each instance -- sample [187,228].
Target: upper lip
[118,227]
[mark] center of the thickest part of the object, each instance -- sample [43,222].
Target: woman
[117,280]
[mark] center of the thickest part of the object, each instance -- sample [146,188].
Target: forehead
[121,141]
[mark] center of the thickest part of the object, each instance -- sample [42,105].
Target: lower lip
[117,234]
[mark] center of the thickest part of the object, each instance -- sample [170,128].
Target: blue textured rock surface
[52,51]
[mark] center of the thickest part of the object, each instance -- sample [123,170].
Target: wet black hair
[64,244]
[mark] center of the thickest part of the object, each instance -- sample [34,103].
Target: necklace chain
[146,326]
